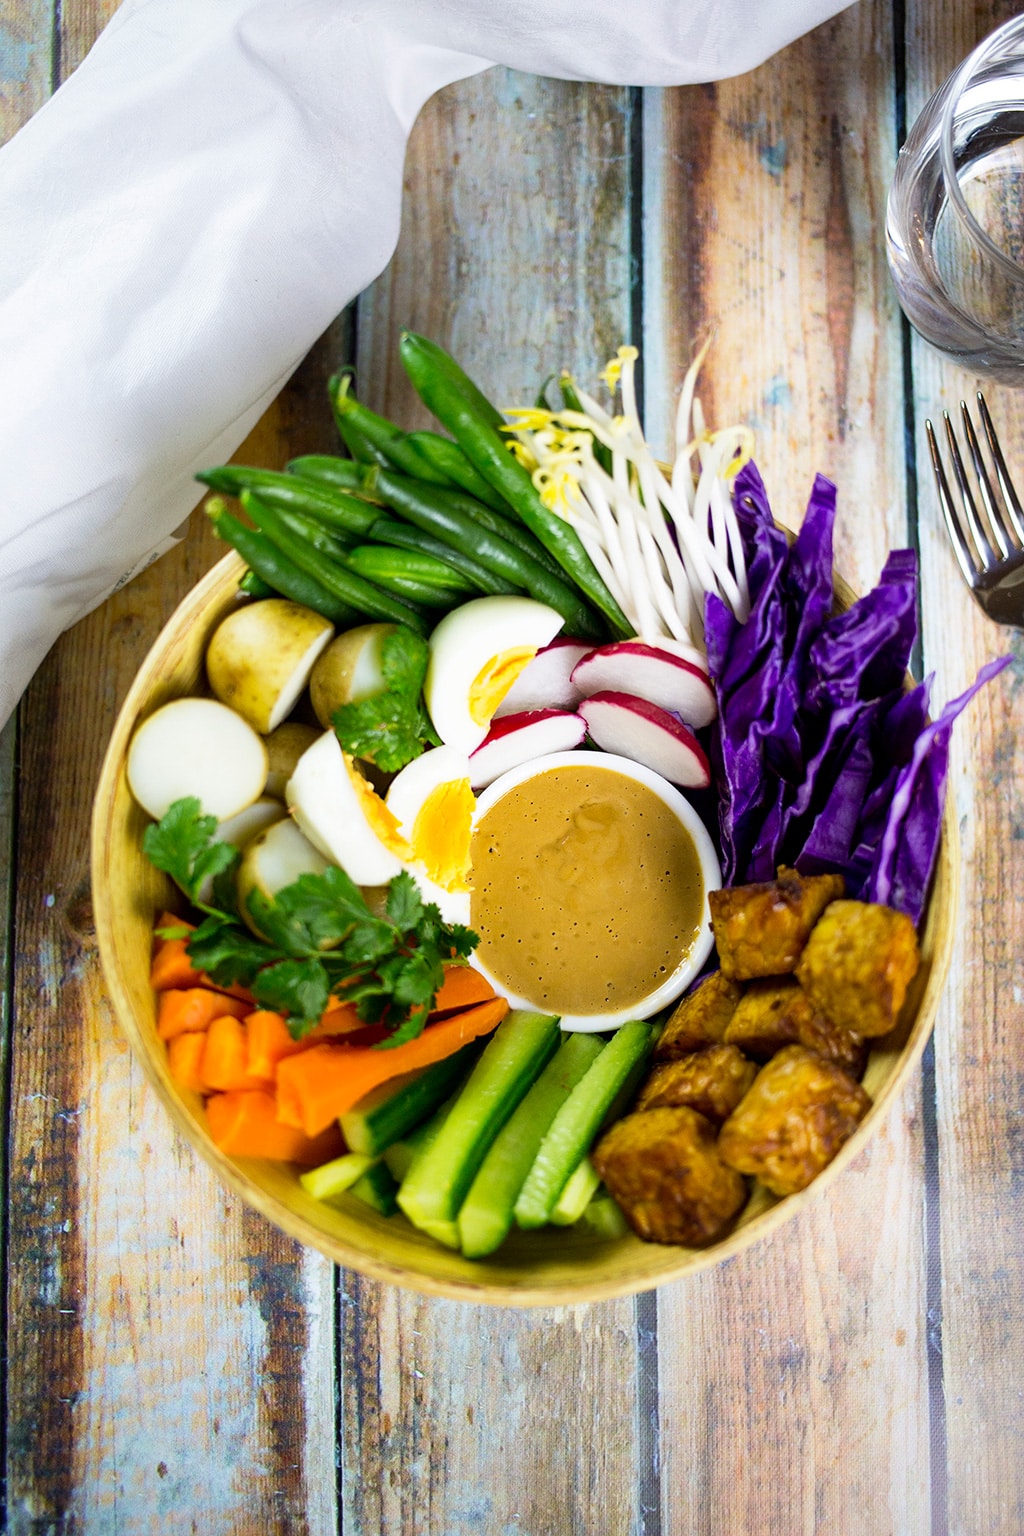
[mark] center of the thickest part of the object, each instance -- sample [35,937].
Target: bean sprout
[662,537]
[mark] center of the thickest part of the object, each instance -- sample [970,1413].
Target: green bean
[328,469]
[507,528]
[412,564]
[287,493]
[346,586]
[448,458]
[373,438]
[273,567]
[443,367]
[407,536]
[431,508]
[254,586]
[334,544]
[406,574]
[454,400]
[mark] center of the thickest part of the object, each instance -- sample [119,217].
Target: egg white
[409,794]
[476,653]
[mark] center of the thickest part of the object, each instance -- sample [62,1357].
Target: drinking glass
[955,217]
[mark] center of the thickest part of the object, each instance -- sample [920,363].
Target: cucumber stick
[333,1178]
[485,1216]
[378,1189]
[603,1218]
[578,1121]
[580,1188]
[436,1184]
[393,1109]
[401,1155]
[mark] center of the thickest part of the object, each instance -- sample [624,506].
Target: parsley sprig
[391,727]
[320,937]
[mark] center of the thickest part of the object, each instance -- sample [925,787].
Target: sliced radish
[545,683]
[638,729]
[516,739]
[648,672]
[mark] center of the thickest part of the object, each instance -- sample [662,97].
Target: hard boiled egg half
[422,826]
[476,653]
[433,803]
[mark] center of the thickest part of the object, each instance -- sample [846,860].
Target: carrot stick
[269,1042]
[182,1010]
[244,1123]
[184,1056]
[317,1086]
[172,967]
[225,1058]
[462,988]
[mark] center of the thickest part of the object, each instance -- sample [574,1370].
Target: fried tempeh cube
[700,1019]
[793,1121]
[777,1012]
[858,963]
[662,1168]
[760,930]
[712,1081]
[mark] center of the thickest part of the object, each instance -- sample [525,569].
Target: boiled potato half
[284,748]
[348,670]
[274,859]
[196,747]
[261,656]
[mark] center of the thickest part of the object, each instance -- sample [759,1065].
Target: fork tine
[965,559]
[984,483]
[986,554]
[1014,511]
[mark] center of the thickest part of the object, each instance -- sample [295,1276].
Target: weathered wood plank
[171,1355]
[26,61]
[762,217]
[979,1076]
[515,253]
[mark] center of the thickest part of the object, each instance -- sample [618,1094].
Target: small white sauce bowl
[711,873]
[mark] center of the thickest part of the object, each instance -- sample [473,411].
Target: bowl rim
[642,1266]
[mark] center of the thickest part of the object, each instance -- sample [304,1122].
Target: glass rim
[1014,28]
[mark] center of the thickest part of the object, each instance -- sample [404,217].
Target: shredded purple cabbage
[822,761]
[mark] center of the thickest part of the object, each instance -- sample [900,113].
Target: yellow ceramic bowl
[532,1269]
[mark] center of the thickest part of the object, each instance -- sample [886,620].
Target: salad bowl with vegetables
[479,846]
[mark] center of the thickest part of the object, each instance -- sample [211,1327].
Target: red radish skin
[647,672]
[520,738]
[545,683]
[637,729]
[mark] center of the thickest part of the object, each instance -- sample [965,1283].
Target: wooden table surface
[171,1362]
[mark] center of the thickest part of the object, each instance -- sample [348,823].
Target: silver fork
[990,553]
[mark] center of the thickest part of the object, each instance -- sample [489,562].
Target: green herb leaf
[319,936]
[299,988]
[229,953]
[392,727]
[182,845]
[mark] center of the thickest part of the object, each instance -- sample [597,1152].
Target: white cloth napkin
[212,186]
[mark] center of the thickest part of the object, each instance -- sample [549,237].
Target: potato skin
[261,652]
[712,1081]
[700,1018]
[858,963]
[761,929]
[774,1012]
[662,1168]
[793,1121]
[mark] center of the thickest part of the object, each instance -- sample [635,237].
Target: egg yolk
[380,819]
[441,832]
[494,680]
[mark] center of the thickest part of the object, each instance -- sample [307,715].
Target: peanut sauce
[587,891]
